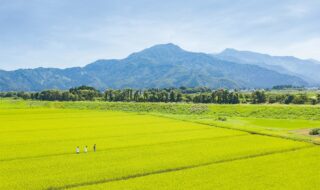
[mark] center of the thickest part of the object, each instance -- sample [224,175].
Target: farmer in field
[77,150]
[85,149]
[94,147]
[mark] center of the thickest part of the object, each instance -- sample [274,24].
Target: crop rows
[294,170]
[40,147]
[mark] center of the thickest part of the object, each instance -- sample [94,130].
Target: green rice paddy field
[142,146]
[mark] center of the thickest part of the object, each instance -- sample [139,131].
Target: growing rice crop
[135,148]
[293,170]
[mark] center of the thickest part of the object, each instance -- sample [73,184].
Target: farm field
[291,170]
[139,150]
[295,129]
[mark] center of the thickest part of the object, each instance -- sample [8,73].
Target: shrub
[315,131]
[222,118]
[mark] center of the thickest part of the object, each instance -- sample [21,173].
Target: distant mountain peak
[167,46]
[231,51]
[160,50]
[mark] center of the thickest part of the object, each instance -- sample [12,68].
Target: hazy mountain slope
[159,66]
[306,69]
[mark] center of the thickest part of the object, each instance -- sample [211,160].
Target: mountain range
[305,69]
[167,65]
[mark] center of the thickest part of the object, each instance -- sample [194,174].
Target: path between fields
[138,175]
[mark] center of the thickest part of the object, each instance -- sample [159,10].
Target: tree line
[82,93]
[182,94]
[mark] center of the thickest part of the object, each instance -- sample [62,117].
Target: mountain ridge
[303,68]
[163,65]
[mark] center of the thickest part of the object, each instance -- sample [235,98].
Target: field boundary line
[126,147]
[169,170]
[244,130]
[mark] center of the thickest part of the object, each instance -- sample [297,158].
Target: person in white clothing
[85,149]
[77,150]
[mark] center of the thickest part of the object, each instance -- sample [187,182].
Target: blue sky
[66,33]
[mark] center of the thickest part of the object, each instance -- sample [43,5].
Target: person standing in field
[94,147]
[85,149]
[77,150]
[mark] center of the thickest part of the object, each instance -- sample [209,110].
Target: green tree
[172,96]
[288,98]
[300,99]
[179,97]
[258,97]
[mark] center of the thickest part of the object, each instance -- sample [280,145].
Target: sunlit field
[140,149]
